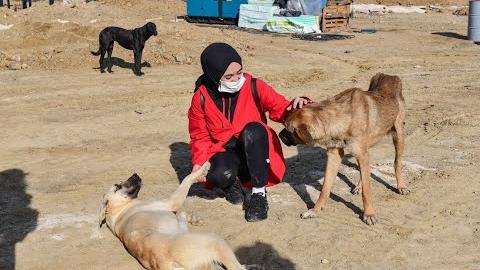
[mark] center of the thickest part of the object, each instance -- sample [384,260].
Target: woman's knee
[221,173]
[254,132]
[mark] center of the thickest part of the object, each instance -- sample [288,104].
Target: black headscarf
[215,60]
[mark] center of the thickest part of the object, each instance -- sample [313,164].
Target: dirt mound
[463,11]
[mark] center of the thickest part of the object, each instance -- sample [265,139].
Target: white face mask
[231,87]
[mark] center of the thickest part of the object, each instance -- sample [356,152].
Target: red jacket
[210,130]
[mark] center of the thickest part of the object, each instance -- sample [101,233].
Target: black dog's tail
[97,53]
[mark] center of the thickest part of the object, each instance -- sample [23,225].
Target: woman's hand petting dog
[298,102]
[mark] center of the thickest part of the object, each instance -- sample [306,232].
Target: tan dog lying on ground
[353,120]
[155,236]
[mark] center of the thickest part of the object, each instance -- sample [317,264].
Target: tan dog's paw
[205,168]
[194,220]
[403,190]
[356,190]
[309,214]
[370,219]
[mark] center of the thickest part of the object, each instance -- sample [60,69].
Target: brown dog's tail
[386,84]
[97,53]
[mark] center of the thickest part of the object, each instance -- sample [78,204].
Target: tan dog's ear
[102,213]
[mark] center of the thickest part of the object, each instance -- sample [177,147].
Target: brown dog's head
[119,195]
[151,28]
[301,127]
[386,84]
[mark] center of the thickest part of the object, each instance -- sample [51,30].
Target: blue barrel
[214,8]
[474,20]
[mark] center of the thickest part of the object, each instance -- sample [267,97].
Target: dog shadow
[181,163]
[119,62]
[17,218]
[314,159]
[372,175]
[262,256]
[450,35]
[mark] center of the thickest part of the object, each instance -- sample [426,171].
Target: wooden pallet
[338,2]
[335,24]
[336,18]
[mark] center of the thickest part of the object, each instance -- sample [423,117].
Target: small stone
[417,66]
[15,65]
[15,58]
[69,3]
[324,261]
[181,57]
[57,236]
[24,66]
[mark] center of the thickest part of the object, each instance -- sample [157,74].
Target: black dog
[129,39]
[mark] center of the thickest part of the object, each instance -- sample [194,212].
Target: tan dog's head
[119,195]
[302,127]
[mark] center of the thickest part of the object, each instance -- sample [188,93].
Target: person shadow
[17,218]
[181,163]
[308,166]
[262,256]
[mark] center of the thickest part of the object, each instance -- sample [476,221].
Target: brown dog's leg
[358,188]
[398,135]
[334,158]
[368,212]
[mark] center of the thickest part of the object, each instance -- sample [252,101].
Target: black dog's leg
[109,59]
[138,62]
[102,56]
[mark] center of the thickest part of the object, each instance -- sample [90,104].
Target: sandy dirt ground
[68,133]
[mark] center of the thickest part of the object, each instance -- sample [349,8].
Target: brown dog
[353,120]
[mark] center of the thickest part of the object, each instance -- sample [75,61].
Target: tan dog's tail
[386,84]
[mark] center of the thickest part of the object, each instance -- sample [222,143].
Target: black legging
[246,159]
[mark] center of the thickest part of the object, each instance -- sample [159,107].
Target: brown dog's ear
[305,134]
[375,81]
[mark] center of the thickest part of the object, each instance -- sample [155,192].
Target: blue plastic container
[223,9]
[474,21]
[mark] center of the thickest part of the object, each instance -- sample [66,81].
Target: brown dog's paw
[356,190]
[370,219]
[403,191]
[309,214]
